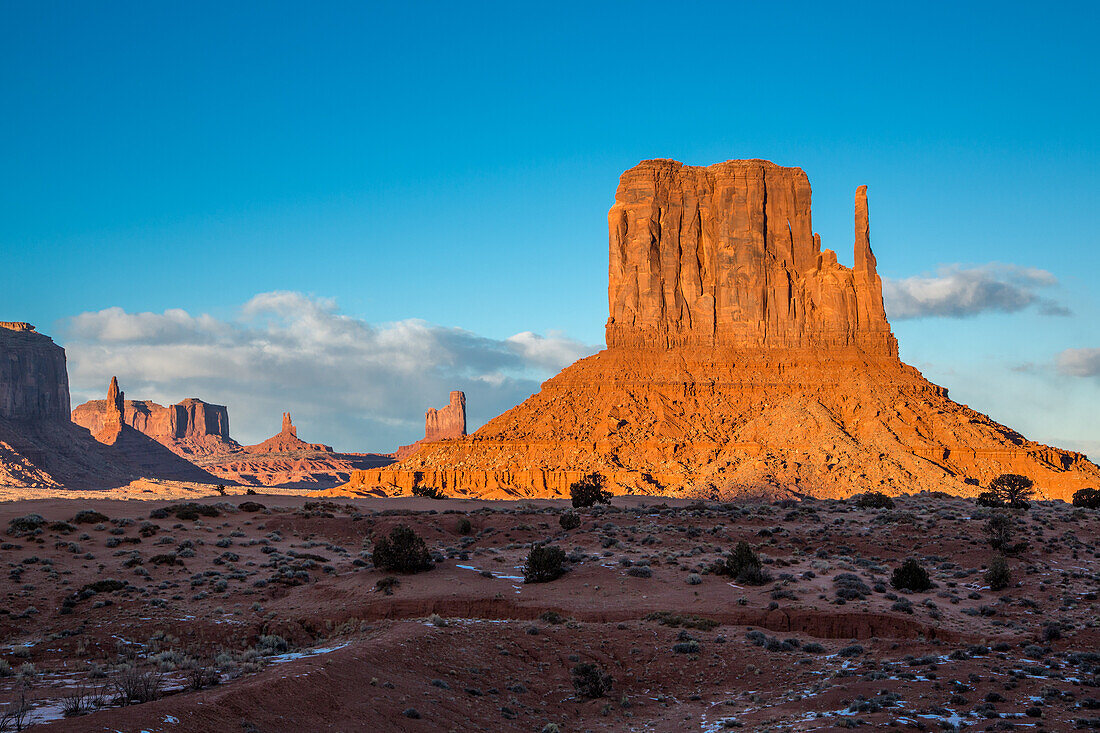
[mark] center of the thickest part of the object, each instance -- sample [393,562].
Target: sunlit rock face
[741,358]
[726,256]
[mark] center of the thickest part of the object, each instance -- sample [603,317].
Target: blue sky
[454,163]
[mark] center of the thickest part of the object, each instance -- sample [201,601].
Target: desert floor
[272,611]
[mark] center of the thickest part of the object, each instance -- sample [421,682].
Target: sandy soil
[278,605]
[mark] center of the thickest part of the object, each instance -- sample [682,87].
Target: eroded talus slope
[742,358]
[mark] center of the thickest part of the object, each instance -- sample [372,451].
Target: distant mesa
[41,447]
[741,358]
[287,441]
[442,424]
[188,428]
[286,461]
[149,456]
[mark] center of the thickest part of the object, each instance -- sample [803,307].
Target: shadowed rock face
[726,256]
[742,358]
[34,383]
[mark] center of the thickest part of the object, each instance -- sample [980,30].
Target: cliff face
[34,383]
[190,427]
[442,424]
[742,358]
[726,256]
[446,422]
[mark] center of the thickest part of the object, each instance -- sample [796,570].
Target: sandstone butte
[442,424]
[199,432]
[741,358]
[286,461]
[41,447]
[189,428]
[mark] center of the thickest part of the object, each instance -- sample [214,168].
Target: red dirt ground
[956,657]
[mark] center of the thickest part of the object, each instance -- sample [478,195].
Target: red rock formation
[742,358]
[148,457]
[287,441]
[34,383]
[189,428]
[39,446]
[446,422]
[289,462]
[725,256]
[442,424]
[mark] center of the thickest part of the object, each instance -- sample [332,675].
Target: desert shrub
[544,563]
[251,506]
[1087,498]
[169,558]
[569,520]
[998,575]
[1008,489]
[1000,530]
[686,647]
[589,491]
[428,492]
[463,526]
[853,650]
[988,499]
[200,676]
[403,551]
[590,681]
[25,525]
[552,617]
[190,511]
[89,516]
[272,644]
[743,565]
[676,620]
[850,587]
[640,571]
[134,686]
[911,576]
[387,585]
[104,586]
[874,500]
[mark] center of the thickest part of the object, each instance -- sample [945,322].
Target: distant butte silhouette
[741,358]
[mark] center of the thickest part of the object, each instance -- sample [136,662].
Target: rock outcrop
[188,428]
[287,461]
[286,441]
[442,424]
[34,382]
[148,457]
[40,446]
[742,358]
[725,256]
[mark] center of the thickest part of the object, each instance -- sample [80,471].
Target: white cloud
[1079,362]
[357,385]
[957,292]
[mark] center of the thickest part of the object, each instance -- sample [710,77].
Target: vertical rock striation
[442,424]
[446,422]
[34,382]
[726,256]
